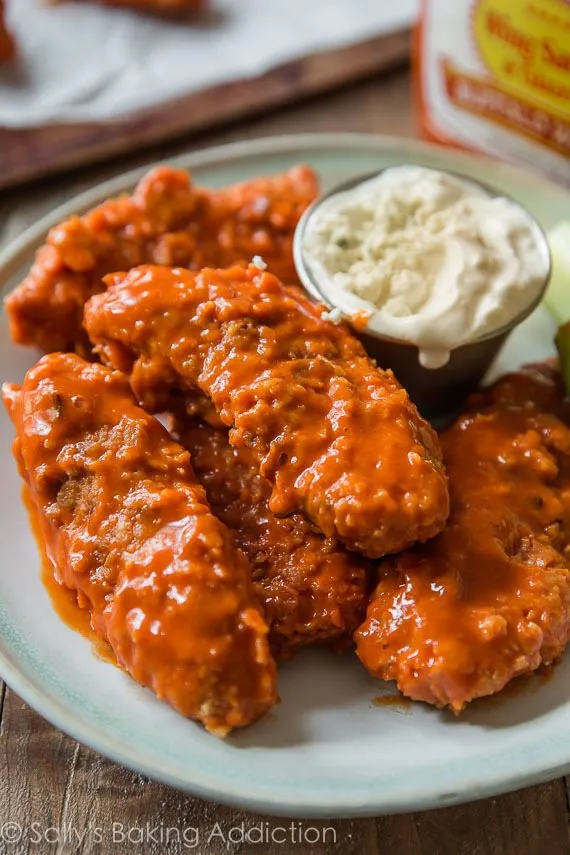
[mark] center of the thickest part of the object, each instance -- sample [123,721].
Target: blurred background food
[7,44]
[88,81]
[79,81]
[158,7]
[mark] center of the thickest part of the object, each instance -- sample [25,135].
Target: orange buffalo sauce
[64,600]
[494,76]
[397,702]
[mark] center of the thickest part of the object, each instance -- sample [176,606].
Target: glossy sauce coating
[167,220]
[338,438]
[127,527]
[312,590]
[63,599]
[489,598]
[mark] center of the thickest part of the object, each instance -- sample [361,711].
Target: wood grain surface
[56,790]
[36,152]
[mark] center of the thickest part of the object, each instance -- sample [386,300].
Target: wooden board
[34,153]
[59,798]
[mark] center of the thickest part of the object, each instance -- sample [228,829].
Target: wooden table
[66,790]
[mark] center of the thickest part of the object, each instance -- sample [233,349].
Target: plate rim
[16,253]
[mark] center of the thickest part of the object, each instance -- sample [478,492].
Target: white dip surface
[432,258]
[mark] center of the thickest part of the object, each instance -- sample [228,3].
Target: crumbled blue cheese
[258,262]
[334,316]
[434,259]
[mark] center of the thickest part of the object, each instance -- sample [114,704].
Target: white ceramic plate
[327,749]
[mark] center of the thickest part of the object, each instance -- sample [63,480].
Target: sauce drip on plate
[64,600]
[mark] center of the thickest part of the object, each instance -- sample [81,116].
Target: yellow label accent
[525,45]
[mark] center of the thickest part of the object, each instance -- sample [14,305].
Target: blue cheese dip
[433,259]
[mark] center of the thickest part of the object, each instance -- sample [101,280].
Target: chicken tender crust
[167,220]
[313,591]
[127,526]
[489,598]
[338,438]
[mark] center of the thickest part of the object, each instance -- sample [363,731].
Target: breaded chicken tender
[338,438]
[167,220]
[489,598]
[313,591]
[127,526]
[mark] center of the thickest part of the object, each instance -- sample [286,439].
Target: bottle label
[495,76]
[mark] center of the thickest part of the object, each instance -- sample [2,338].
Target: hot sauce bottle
[494,76]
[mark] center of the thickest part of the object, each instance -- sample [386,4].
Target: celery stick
[557,296]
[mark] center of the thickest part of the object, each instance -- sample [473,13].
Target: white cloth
[83,62]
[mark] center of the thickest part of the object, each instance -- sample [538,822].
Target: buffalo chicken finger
[489,599]
[167,220]
[128,528]
[313,590]
[338,438]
